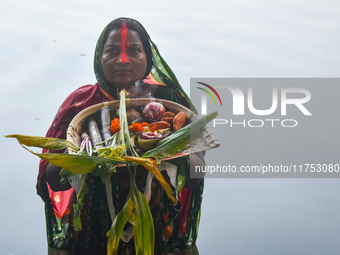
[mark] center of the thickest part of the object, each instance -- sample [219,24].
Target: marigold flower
[136,127]
[115,125]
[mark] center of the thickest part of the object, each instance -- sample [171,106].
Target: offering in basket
[157,124]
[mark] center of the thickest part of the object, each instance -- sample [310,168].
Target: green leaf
[78,164]
[136,211]
[103,171]
[44,142]
[79,205]
[112,152]
[170,145]
[115,233]
[144,229]
[65,174]
[151,165]
[130,211]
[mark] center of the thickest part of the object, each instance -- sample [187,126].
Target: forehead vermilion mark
[123,35]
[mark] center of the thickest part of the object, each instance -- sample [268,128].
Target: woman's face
[124,60]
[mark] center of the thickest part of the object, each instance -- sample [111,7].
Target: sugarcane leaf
[115,233]
[151,165]
[144,230]
[124,132]
[170,145]
[78,164]
[44,142]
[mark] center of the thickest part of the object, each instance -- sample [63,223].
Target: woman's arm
[195,160]
[52,176]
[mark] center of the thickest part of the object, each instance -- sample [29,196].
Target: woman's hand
[195,160]
[52,176]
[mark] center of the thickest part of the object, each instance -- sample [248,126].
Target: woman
[125,58]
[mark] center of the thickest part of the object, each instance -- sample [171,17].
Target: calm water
[47,50]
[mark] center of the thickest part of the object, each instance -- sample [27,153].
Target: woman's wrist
[52,176]
[195,160]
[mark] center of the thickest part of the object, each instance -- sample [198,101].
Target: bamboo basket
[203,142]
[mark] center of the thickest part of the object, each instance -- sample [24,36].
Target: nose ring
[121,61]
